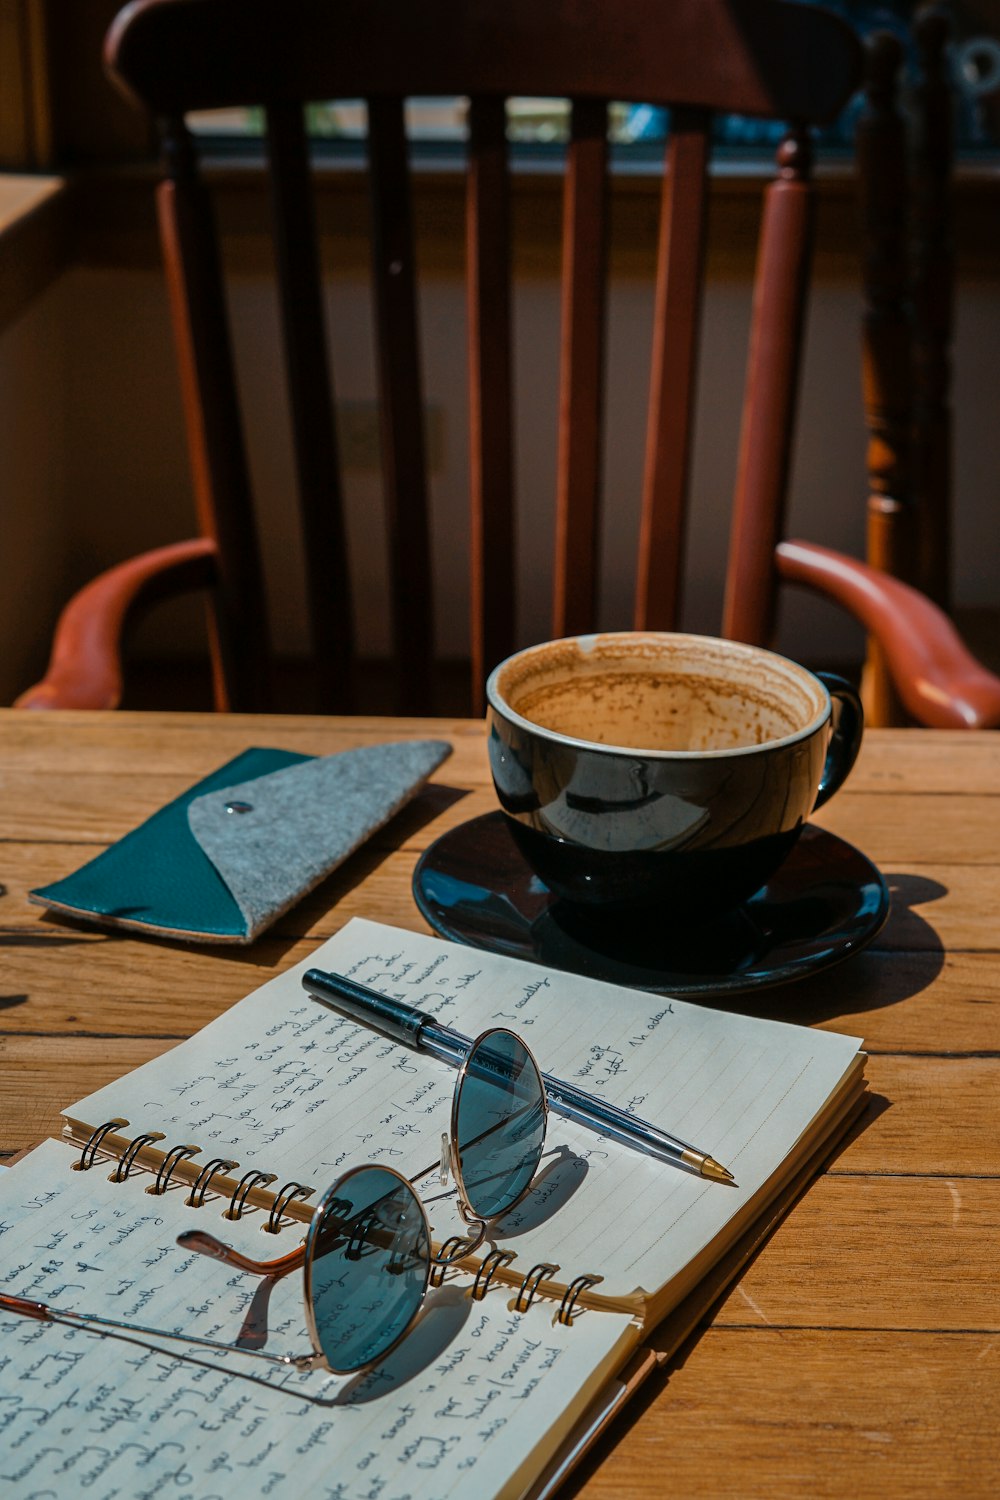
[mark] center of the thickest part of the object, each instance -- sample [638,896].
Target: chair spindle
[310,390]
[237,619]
[676,318]
[493,604]
[404,468]
[769,404]
[581,381]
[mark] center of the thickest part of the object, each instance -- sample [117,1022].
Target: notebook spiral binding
[90,1150]
[249,1180]
[490,1266]
[167,1165]
[572,1292]
[288,1192]
[125,1165]
[528,1289]
[448,1254]
[202,1185]
[196,1197]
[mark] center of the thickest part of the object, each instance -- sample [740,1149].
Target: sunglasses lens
[367,1264]
[500,1123]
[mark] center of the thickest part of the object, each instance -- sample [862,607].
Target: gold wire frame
[332,1192]
[433,1267]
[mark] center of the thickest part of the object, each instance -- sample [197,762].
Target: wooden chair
[757,57]
[905,162]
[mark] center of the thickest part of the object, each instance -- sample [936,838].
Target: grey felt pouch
[224,860]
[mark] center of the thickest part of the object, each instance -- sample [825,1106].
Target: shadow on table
[45,939]
[680,1332]
[904,959]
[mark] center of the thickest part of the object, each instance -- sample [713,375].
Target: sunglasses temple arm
[42,1313]
[207,1244]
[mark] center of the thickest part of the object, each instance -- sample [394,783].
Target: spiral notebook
[523,1355]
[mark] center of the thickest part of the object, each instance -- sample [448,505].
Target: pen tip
[716,1171]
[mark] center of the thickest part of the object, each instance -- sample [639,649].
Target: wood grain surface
[860,1351]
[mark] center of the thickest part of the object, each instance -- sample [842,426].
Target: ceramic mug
[640,768]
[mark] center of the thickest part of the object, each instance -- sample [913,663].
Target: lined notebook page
[458,1406]
[283,1084]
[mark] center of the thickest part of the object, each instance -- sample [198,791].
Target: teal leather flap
[158,877]
[228,857]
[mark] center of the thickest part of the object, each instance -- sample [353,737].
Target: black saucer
[825,902]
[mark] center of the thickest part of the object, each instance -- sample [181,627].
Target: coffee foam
[667,693]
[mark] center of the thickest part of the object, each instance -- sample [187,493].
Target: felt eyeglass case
[229,856]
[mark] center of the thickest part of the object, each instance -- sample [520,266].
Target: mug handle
[848,726]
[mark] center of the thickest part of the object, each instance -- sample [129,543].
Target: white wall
[89,408]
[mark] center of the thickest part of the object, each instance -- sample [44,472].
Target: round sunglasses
[366,1259]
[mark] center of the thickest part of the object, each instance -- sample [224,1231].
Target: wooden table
[860,1353]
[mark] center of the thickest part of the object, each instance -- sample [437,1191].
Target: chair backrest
[697,57]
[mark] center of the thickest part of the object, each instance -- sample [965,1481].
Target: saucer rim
[713,986]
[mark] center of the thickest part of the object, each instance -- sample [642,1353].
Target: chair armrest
[937,678]
[85,667]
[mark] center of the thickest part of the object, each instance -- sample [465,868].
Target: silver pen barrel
[417,1029]
[613,1130]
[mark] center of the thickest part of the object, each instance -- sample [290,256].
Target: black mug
[647,769]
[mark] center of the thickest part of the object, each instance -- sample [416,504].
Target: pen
[418,1029]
